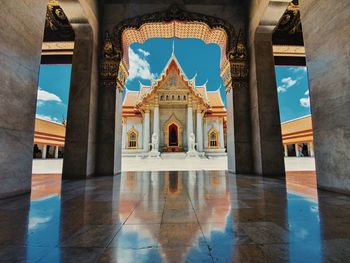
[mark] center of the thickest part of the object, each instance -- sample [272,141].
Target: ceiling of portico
[179,2]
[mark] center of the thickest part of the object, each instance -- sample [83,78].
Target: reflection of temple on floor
[172,109]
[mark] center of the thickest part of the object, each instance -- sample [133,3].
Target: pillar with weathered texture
[80,145]
[156,119]
[189,121]
[326,31]
[267,144]
[146,130]
[199,130]
[21,34]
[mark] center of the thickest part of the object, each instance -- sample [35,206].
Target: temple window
[213,138]
[178,97]
[172,97]
[161,97]
[184,97]
[167,97]
[132,138]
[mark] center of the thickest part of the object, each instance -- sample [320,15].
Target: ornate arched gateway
[172,22]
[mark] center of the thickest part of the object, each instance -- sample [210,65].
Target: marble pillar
[311,149]
[56,152]
[231,143]
[189,121]
[296,146]
[221,134]
[326,31]
[80,145]
[146,130]
[266,128]
[285,147]
[156,120]
[205,134]
[267,147]
[199,130]
[22,29]
[44,152]
[124,135]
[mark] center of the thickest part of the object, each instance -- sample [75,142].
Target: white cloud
[143,52]
[45,96]
[47,118]
[281,88]
[305,102]
[289,82]
[138,67]
[298,69]
[307,93]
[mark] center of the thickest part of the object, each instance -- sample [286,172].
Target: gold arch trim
[178,29]
[132,130]
[170,121]
[213,130]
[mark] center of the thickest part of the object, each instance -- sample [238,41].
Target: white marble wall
[135,123]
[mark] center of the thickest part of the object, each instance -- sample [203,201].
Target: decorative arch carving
[132,132]
[113,71]
[210,139]
[172,120]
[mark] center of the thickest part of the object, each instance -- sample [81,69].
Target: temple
[170,114]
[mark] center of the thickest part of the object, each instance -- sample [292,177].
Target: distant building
[297,137]
[48,139]
[172,109]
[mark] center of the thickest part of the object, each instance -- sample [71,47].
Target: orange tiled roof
[298,130]
[130,98]
[212,100]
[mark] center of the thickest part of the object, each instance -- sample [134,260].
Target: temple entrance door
[173,135]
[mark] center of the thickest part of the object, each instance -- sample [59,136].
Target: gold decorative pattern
[170,121]
[238,64]
[132,143]
[213,143]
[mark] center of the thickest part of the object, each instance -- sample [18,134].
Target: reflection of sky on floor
[304,229]
[43,226]
[175,217]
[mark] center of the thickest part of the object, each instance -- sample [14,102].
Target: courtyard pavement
[131,164]
[183,216]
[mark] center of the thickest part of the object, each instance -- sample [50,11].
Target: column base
[154,155]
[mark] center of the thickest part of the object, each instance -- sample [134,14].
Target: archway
[173,135]
[170,23]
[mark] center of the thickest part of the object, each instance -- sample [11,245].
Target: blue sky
[293,92]
[148,60]
[53,92]
[195,57]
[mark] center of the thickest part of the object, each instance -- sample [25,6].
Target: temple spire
[173,50]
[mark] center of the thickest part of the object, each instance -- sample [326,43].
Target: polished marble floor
[176,217]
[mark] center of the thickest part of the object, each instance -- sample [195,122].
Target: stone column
[124,136]
[311,149]
[56,152]
[266,127]
[44,152]
[21,34]
[199,130]
[146,130]
[205,134]
[189,120]
[296,149]
[221,133]
[285,150]
[156,119]
[80,144]
[328,61]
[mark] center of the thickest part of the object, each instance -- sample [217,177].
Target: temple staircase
[173,155]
